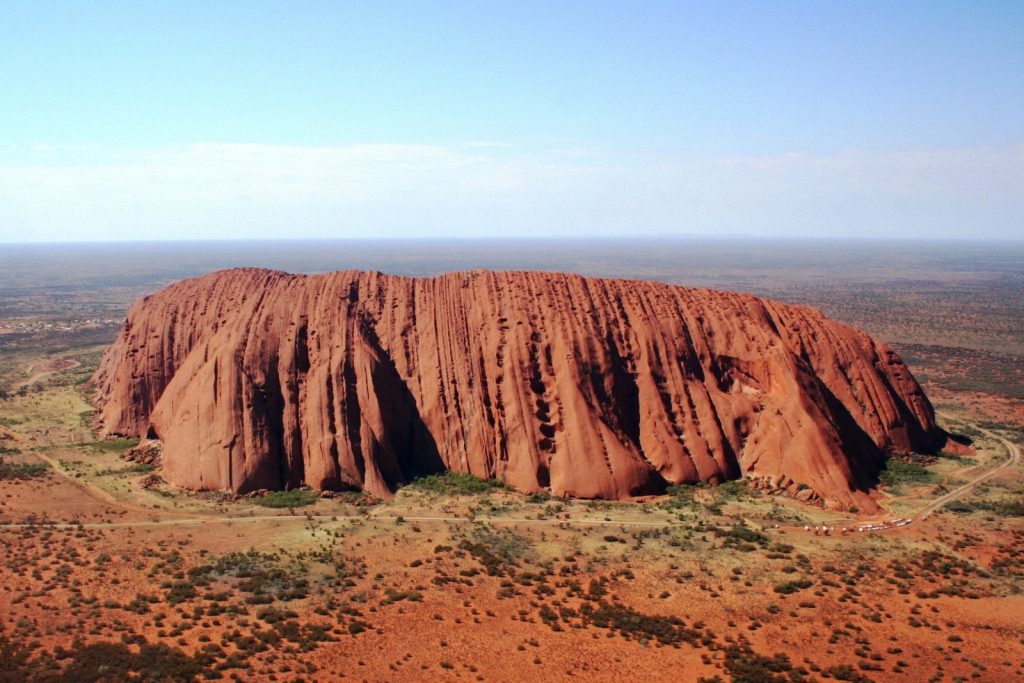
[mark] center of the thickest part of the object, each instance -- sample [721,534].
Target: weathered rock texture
[595,388]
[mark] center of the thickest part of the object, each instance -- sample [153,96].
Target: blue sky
[128,120]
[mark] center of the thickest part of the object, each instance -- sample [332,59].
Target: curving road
[32,379]
[1013,459]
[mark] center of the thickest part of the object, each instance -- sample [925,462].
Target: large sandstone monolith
[592,388]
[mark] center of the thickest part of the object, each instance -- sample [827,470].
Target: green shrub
[134,468]
[682,495]
[736,489]
[455,484]
[295,498]
[1006,508]
[741,532]
[746,666]
[10,471]
[110,445]
[789,587]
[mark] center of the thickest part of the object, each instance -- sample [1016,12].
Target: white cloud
[488,189]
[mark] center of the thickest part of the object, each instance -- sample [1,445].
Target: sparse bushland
[134,468]
[22,471]
[102,661]
[746,666]
[1000,508]
[109,445]
[497,549]
[709,498]
[681,496]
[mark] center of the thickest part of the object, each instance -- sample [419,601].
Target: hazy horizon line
[653,237]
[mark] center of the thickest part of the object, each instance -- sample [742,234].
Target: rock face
[592,388]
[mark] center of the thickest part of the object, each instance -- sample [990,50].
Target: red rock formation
[593,388]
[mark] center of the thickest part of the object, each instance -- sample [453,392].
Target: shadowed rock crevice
[404,445]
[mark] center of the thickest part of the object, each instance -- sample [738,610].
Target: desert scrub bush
[746,666]
[259,575]
[667,630]
[273,615]
[737,489]
[180,591]
[294,498]
[539,497]
[455,484]
[788,587]
[117,662]
[743,533]
[391,595]
[15,658]
[680,496]
[899,472]
[1001,508]
[10,471]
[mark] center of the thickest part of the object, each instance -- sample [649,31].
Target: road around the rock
[1014,458]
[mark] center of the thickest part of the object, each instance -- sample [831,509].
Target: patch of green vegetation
[743,533]
[497,549]
[681,496]
[273,615]
[1001,508]
[261,576]
[747,666]
[134,468]
[898,472]
[455,484]
[116,662]
[789,587]
[103,662]
[737,489]
[295,498]
[391,595]
[667,630]
[109,445]
[22,471]
[946,455]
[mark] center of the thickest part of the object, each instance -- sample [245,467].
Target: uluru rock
[588,387]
